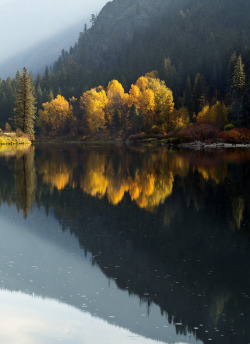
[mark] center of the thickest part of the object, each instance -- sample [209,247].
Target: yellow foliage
[142,83]
[146,106]
[205,115]
[134,96]
[153,100]
[216,114]
[164,102]
[95,103]
[55,116]
[117,101]
[55,174]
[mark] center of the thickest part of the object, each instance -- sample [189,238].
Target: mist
[25,23]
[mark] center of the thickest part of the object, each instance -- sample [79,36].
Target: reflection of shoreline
[146,175]
[7,151]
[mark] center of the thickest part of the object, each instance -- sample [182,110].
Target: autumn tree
[153,99]
[56,116]
[216,114]
[164,104]
[93,104]
[117,106]
[25,109]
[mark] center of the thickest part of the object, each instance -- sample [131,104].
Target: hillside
[130,38]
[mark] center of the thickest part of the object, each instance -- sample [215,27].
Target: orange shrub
[236,135]
[199,132]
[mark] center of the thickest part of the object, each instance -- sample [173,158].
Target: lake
[117,244]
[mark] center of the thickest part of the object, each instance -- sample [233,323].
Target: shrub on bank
[236,135]
[199,132]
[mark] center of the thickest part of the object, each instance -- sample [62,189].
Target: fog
[23,23]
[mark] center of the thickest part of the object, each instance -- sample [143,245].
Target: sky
[23,23]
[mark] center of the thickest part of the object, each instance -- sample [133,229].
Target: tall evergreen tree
[239,77]
[199,99]
[188,98]
[25,105]
[238,85]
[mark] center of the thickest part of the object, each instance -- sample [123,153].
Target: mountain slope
[132,37]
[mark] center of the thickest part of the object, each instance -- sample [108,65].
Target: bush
[199,132]
[229,126]
[236,135]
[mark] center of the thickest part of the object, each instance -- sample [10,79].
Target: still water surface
[124,245]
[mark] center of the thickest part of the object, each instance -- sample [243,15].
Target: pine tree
[188,98]
[239,77]
[238,85]
[199,99]
[25,105]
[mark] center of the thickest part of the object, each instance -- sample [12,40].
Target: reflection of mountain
[51,264]
[186,255]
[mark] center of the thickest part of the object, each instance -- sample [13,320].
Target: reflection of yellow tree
[148,184]
[94,182]
[217,173]
[148,189]
[56,172]
[25,182]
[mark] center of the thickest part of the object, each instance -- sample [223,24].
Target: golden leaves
[94,102]
[55,116]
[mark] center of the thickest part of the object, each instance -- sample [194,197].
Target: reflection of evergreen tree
[25,182]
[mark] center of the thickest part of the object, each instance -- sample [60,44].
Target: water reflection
[66,324]
[44,261]
[171,228]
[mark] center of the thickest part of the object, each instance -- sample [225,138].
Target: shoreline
[198,145]
[11,139]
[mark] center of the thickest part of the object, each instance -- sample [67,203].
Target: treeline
[112,112]
[148,104]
